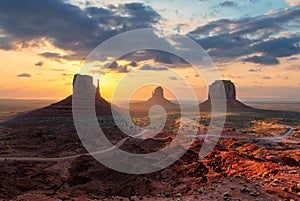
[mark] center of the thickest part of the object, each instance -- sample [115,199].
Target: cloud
[113,65]
[293,67]
[133,64]
[254,70]
[24,75]
[232,76]
[163,57]
[123,69]
[77,30]
[262,60]
[231,39]
[5,43]
[40,63]
[266,78]
[51,55]
[67,74]
[211,27]
[57,70]
[153,68]
[279,47]
[67,26]
[293,2]
[157,55]
[283,77]
[228,4]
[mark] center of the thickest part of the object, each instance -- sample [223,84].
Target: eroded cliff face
[86,84]
[217,89]
[158,93]
[157,98]
[223,91]
[64,107]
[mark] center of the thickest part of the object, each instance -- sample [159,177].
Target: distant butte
[156,99]
[230,91]
[102,107]
[64,107]
[215,90]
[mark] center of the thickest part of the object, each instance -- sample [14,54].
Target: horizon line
[123,100]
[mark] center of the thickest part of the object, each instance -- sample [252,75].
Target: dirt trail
[121,142]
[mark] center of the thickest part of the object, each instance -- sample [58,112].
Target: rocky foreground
[237,169]
[42,158]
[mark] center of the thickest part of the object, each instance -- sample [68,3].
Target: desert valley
[256,157]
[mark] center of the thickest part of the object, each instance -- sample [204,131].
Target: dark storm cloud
[24,75]
[280,47]
[210,27]
[67,26]
[293,59]
[232,52]
[123,69]
[226,46]
[261,26]
[142,55]
[228,4]
[5,43]
[266,25]
[153,68]
[157,55]
[227,40]
[133,64]
[163,58]
[120,68]
[113,65]
[262,60]
[139,14]
[124,16]
[71,28]
[51,55]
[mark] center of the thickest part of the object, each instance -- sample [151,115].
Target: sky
[254,43]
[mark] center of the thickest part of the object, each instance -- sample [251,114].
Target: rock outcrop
[215,93]
[156,99]
[64,107]
[158,93]
[215,90]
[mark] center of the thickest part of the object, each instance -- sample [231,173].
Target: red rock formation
[64,107]
[215,91]
[156,99]
[158,93]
